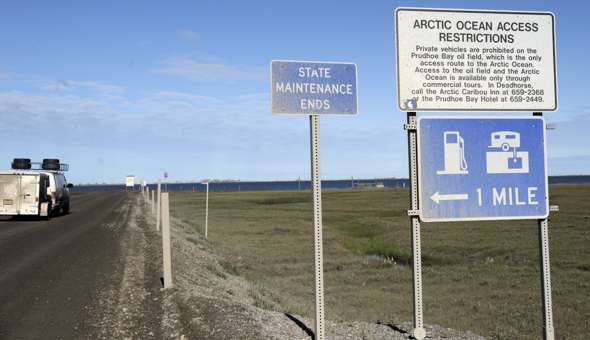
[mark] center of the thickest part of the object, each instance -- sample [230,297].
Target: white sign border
[453,219]
[457,10]
[299,114]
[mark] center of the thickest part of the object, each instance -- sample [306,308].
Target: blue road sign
[482,168]
[307,87]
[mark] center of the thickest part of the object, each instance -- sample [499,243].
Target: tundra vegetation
[478,276]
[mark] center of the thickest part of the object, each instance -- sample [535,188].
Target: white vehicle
[34,192]
[505,140]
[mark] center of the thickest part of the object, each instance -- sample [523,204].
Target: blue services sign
[483,168]
[309,87]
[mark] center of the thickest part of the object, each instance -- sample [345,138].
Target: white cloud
[185,66]
[187,34]
[75,85]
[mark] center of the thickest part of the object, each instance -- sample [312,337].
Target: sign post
[314,89]
[419,332]
[484,167]
[316,185]
[548,329]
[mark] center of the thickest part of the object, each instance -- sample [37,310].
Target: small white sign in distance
[130,181]
[473,60]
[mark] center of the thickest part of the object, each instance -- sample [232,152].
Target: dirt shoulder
[209,301]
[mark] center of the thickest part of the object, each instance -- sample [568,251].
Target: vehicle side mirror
[70,185]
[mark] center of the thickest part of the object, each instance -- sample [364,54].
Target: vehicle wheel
[66,209]
[49,212]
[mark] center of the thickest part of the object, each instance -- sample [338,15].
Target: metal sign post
[419,332]
[316,184]
[314,88]
[548,330]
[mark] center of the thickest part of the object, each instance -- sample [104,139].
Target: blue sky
[117,88]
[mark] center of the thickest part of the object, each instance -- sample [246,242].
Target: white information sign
[130,181]
[473,60]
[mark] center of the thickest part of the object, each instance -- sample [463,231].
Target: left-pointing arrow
[449,197]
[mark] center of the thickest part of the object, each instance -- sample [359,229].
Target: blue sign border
[517,217]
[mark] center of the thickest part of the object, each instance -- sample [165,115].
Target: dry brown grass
[479,276]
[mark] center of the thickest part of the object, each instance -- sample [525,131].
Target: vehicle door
[29,193]
[9,194]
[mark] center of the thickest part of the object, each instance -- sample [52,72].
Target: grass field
[478,276]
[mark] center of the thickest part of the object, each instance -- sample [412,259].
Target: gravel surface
[209,302]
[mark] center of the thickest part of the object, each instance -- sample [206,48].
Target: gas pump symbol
[454,154]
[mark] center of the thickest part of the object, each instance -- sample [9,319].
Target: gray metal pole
[548,330]
[419,332]
[314,121]
[207,211]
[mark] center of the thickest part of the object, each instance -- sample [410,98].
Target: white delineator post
[153,204]
[158,205]
[207,210]
[316,185]
[166,249]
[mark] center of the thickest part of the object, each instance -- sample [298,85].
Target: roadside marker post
[153,204]
[484,167]
[314,89]
[158,205]
[206,207]
[166,248]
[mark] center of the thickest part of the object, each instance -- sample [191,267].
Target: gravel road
[96,274]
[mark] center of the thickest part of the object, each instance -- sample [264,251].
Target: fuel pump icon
[454,154]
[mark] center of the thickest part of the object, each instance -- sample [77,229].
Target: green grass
[479,276]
